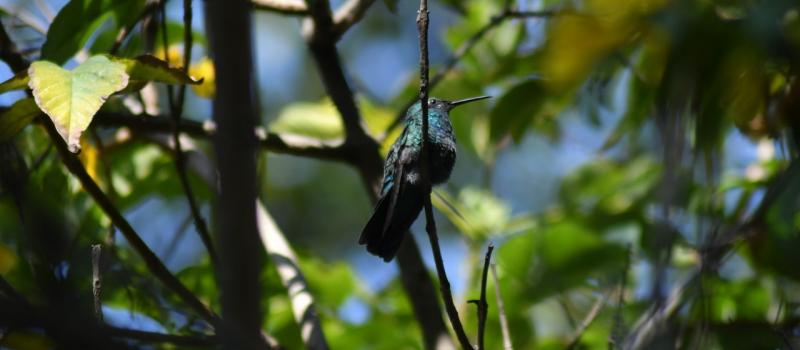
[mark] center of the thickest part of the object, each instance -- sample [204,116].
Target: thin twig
[176,110]
[430,224]
[587,321]
[112,191]
[97,283]
[154,265]
[465,48]
[501,311]
[177,237]
[483,306]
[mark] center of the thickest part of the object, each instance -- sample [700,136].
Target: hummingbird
[402,190]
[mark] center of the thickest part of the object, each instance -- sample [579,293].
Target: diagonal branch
[154,264]
[9,53]
[349,14]
[281,254]
[501,311]
[430,224]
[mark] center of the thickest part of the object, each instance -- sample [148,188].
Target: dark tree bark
[235,145]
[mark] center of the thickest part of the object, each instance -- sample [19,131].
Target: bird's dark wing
[398,206]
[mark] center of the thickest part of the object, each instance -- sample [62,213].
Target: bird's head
[444,105]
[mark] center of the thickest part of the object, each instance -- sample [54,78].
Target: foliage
[637,154]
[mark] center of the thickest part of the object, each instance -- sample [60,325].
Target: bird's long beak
[454,104]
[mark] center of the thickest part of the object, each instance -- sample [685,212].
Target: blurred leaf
[556,259]
[576,41]
[774,248]
[78,20]
[71,98]
[200,279]
[331,283]
[204,69]
[26,340]
[609,188]
[516,109]
[8,260]
[479,214]
[316,119]
[18,116]
[738,300]
[391,5]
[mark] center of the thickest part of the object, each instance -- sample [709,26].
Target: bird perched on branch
[403,193]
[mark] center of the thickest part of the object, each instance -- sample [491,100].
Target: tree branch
[296,145]
[483,306]
[349,14]
[281,254]
[236,148]
[430,224]
[285,7]
[97,284]
[152,337]
[587,321]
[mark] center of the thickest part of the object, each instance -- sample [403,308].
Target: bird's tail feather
[406,209]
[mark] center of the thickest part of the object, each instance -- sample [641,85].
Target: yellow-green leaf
[150,68]
[8,260]
[18,82]
[315,119]
[71,98]
[17,117]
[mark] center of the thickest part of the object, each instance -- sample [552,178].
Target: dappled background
[637,159]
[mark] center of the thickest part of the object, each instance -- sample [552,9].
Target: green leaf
[78,20]
[71,98]
[516,110]
[17,117]
[18,82]
[391,5]
[541,263]
[478,214]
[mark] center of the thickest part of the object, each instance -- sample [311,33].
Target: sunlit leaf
[71,98]
[316,119]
